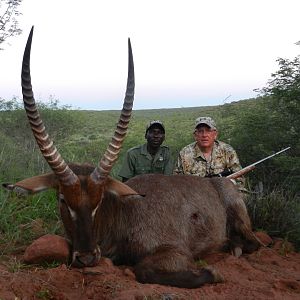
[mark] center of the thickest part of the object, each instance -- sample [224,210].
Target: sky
[187,53]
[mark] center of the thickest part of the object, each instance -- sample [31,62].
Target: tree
[9,25]
[284,87]
[274,125]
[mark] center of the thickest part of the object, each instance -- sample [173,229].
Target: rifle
[225,173]
[252,166]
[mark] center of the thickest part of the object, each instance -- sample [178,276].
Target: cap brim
[156,124]
[205,123]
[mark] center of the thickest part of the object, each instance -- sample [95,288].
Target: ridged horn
[49,151]
[111,154]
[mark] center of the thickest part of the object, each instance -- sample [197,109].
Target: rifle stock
[240,172]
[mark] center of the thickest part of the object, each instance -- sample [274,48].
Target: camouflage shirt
[139,161]
[192,161]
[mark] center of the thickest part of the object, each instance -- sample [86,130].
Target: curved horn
[111,154]
[49,151]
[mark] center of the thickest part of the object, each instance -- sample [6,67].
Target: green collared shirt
[139,161]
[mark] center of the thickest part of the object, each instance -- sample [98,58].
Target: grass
[25,219]
[277,212]
[13,264]
[82,136]
[44,294]
[201,263]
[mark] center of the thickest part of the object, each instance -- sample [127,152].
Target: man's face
[155,136]
[205,136]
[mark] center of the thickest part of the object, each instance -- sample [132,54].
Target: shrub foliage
[256,128]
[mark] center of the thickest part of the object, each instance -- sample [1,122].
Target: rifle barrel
[270,156]
[252,166]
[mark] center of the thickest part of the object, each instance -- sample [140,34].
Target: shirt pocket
[198,169]
[158,167]
[218,166]
[142,170]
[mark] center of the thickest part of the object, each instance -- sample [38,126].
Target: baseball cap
[155,122]
[207,121]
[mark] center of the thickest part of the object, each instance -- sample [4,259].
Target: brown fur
[186,212]
[160,224]
[179,219]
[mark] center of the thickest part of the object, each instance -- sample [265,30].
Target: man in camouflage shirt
[207,157]
[151,157]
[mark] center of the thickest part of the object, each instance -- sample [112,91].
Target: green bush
[276,212]
[250,126]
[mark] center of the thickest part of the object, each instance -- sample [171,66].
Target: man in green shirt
[151,157]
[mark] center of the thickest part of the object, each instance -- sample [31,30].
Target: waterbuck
[159,224]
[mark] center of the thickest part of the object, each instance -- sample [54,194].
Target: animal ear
[119,188]
[33,185]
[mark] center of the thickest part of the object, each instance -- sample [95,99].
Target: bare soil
[269,273]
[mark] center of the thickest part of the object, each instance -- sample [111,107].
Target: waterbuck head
[80,188]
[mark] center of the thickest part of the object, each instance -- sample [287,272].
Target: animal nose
[85,260]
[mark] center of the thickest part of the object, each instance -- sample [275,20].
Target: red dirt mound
[265,274]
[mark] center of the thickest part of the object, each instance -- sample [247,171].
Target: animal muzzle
[86,259]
